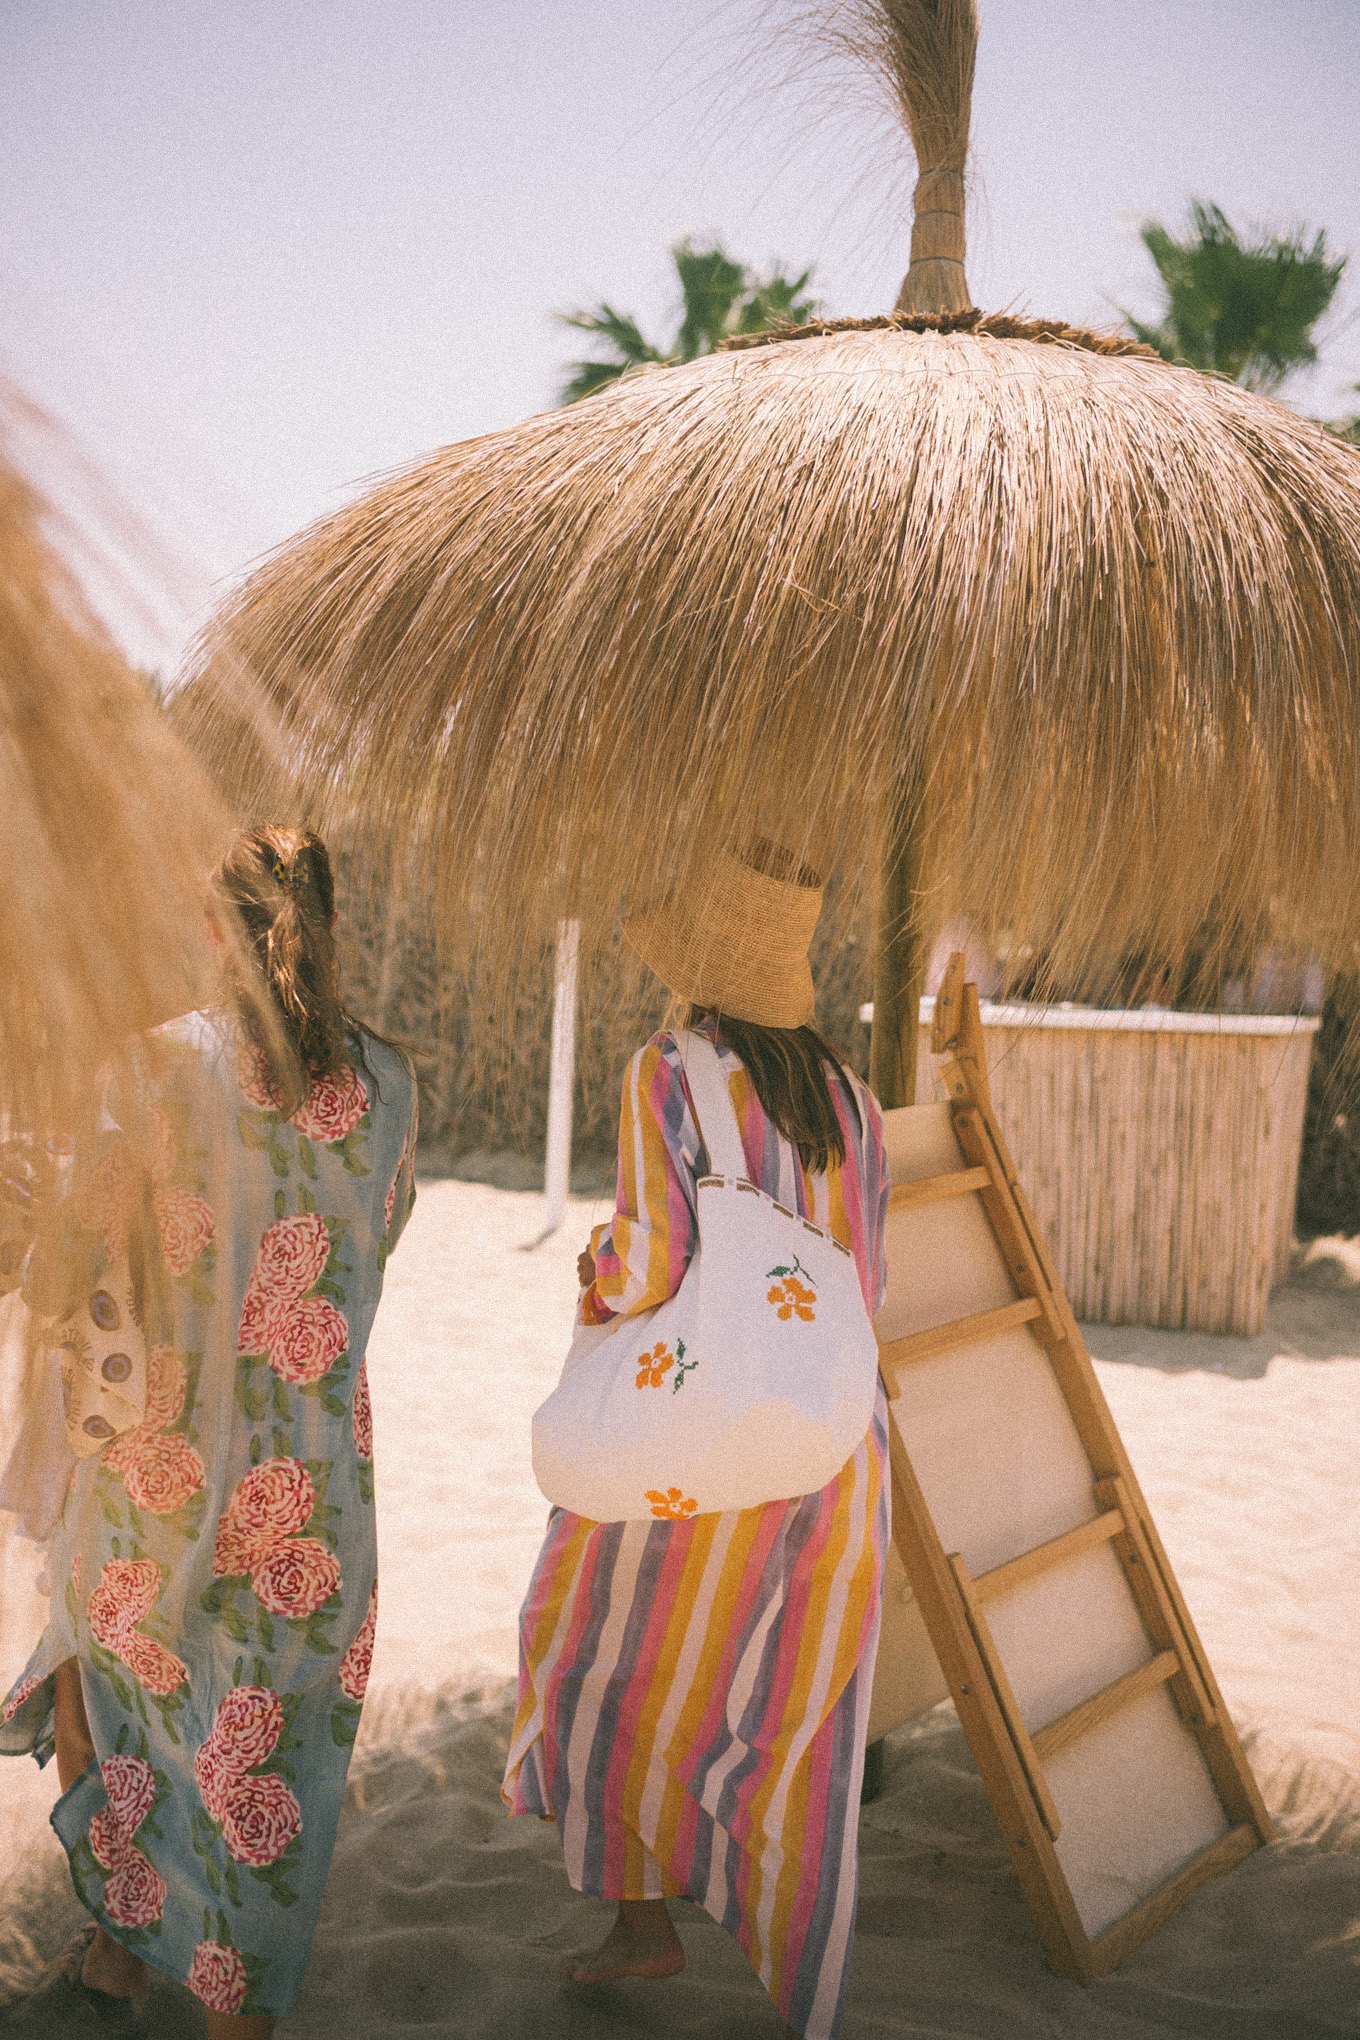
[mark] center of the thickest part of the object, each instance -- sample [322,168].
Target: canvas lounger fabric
[214,1570]
[694,1693]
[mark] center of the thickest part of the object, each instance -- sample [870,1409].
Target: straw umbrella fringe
[108,829]
[1098,617]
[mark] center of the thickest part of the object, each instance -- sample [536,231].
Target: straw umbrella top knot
[925,53]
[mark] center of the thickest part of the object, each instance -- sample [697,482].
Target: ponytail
[280,885]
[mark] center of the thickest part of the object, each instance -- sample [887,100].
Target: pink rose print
[361,1414]
[252,1074]
[250,1334]
[131,1785]
[298,1578]
[258,1816]
[76,1569]
[332,1108]
[163,1475]
[158,1669]
[127,1588]
[19,1695]
[215,1778]
[260,1819]
[185,1223]
[293,1254]
[269,1503]
[391,1203]
[217,1977]
[107,1839]
[248,1723]
[305,1339]
[166,1382]
[236,1551]
[134,1894]
[358,1659]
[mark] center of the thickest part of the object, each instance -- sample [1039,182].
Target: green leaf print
[236,1626]
[256,1452]
[108,1508]
[233,1882]
[121,1740]
[306,1157]
[283,1445]
[263,1675]
[264,1629]
[280,1204]
[275,1876]
[237,1670]
[254,1403]
[280,1396]
[306,1202]
[72,1605]
[365,1481]
[255,1130]
[345,1723]
[325,1287]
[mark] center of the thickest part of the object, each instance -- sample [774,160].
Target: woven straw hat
[739,945]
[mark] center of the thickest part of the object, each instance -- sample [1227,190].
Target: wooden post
[562,1074]
[900,946]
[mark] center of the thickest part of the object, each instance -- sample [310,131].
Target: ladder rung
[983,1324]
[1002,1578]
[930,1189]
[1081,1720]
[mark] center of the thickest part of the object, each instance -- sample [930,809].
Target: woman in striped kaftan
[694,1695]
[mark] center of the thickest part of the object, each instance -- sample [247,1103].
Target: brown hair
[788,1068]
[280,884]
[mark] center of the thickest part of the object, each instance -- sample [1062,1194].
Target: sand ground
[444,1918]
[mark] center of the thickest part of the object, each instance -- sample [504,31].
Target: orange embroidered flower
[652,1366]
[672,1506]
[792,1298]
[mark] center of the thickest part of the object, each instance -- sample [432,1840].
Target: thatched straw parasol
[108,829]
[1064,636]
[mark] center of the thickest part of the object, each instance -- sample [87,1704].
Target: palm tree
[1241,309]
[719,296]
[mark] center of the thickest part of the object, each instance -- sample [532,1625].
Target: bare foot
[98,1962]
[641,1942]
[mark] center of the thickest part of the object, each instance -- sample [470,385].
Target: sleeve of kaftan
[642,1252]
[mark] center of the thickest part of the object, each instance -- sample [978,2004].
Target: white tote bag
[753,1383]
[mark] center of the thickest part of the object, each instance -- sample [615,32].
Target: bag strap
[713,1108]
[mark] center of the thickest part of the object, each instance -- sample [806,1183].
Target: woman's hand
[585,1268]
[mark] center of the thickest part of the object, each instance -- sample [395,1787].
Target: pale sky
[257,251]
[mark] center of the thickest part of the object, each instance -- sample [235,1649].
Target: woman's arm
[640,1255]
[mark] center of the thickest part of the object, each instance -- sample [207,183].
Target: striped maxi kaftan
[693,1696]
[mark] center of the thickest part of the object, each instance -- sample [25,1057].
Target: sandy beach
[444,1918]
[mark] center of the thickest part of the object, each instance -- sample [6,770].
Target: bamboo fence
[1160,1152]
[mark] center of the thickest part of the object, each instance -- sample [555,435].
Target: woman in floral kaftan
[694,1691]
[214,1572]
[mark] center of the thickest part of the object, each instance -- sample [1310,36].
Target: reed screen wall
[1160,1152]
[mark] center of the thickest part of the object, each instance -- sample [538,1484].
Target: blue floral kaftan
[215,1569]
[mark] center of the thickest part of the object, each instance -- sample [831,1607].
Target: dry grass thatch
[107,831]
[1114,605]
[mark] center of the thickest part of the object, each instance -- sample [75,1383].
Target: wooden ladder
[1015,1756]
